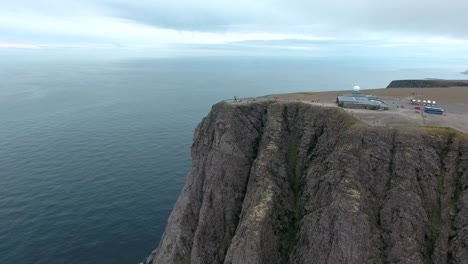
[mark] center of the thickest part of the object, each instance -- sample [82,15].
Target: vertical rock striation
[278,182]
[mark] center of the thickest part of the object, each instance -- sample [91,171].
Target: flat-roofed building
[360,101]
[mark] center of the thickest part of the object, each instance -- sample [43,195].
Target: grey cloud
[340,19]
[446,17]
[330,17]
[168,18]
[204,15]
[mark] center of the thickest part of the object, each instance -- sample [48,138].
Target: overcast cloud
[161,24]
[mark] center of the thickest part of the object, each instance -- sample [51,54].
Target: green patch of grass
[292,158]
[183,260]
[296,187]
[452,224]
[295,178]
[429,250]
[435,221]
[438,131]
[437,211]
[347,119]
[456,194]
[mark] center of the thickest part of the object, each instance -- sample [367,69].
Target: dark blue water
[93,154]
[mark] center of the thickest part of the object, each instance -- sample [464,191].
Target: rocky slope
[277,182]
[427,83]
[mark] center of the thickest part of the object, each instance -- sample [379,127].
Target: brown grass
[453,95]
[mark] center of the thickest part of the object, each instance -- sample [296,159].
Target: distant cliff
[427,83]
[278,182]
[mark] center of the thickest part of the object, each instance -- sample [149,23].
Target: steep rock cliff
[427,83]
[277,182]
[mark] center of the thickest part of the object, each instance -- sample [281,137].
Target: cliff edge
[436,83]
[281,182]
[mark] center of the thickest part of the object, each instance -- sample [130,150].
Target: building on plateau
[359,100]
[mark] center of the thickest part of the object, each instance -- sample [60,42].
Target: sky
[417,27]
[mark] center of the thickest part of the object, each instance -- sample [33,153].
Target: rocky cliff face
[427,83]
[295,183]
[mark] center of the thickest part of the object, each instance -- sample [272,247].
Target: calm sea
[93,154]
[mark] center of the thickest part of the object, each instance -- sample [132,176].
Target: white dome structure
[356,88]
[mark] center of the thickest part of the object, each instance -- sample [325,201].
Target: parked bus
[434,110]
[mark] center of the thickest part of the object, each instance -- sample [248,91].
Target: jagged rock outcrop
[429,83]
[278,182]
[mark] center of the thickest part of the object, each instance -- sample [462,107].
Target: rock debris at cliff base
[295,183]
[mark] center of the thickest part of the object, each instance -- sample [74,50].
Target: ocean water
[93,154]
